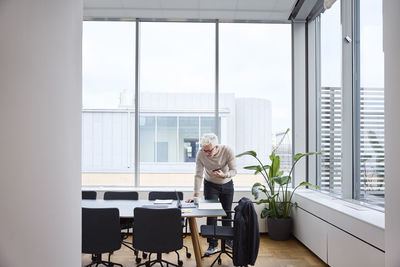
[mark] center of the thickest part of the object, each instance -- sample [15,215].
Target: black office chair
[89,194]
[125,223]
[100,234]
[129,195]
[153,195]
[219,232]
[158,231]
[244,234]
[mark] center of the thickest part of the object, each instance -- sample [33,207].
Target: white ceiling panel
[180,14]
[256,5]
[284,4]
[268,10]
[216,14]
[179,4]
[216,5]
[141,4]
[101,4]
[267,16]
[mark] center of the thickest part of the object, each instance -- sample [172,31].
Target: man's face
[209,150]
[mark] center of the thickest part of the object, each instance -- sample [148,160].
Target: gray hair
[209,138]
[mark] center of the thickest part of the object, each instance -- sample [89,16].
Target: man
[218,165]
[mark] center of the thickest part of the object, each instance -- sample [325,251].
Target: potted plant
[277,196]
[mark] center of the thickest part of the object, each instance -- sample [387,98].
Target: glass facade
[330,98]
[176,101]
[371,118]
[363,178]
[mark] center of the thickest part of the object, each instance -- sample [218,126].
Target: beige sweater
[224,159]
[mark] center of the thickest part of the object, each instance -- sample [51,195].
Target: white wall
[40,132]
[391,44]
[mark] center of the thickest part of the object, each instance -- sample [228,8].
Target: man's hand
[219,174]
[191,199]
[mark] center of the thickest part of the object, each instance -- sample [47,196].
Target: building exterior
[170,128]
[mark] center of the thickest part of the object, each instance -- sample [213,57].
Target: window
[371,184]
[330,99]
[177,97]
[177,83]
[255,91]
[352,74]
[108,69]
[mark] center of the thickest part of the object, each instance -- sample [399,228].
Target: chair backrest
[89,194]
[157,230]
[246,240]
[101,230]
[112,195]
[153,195]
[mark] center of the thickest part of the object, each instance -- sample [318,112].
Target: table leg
[195,240]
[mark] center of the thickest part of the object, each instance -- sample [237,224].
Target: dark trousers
[223,193]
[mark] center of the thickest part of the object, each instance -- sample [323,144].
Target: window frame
[350,20]
[136,111]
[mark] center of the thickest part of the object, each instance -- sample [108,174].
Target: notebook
[163,201]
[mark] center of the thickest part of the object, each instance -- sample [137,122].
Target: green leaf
[282,180]
[275,166]
[265,213]
[298,156]
[256,188]
[248,153]
[280,173]
[272,156]
[254,167]
[262,201]
[307,184]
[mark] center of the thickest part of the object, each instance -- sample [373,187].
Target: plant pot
[279,229]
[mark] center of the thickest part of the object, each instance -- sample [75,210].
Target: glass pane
[207,125]
[108,66]
[372,166]
[188,138]
[255,85]
[330,123]
[177,85]
[167,136]
[147,138]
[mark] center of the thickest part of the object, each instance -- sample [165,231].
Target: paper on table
[163,201]
[186,210]
[209,206]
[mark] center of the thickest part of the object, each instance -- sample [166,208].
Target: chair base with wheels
[96,260]
[221,232]
[159,260]
[220,252]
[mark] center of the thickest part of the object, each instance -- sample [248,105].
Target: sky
[371,47]
[255,59]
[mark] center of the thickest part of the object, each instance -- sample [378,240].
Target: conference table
[126,208]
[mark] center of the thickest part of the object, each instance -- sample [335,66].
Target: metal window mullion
[312,99]
[128,152]
[356,101]
[347,98]
[155,138]
[137,180]
[217,79]
[199,131]
[177,138]
[318,95]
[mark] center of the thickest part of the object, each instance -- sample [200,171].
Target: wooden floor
[271,254]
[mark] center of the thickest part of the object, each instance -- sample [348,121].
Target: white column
[299,97]
[40,132]
[391,44]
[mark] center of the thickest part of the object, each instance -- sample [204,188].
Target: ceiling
[247,10]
